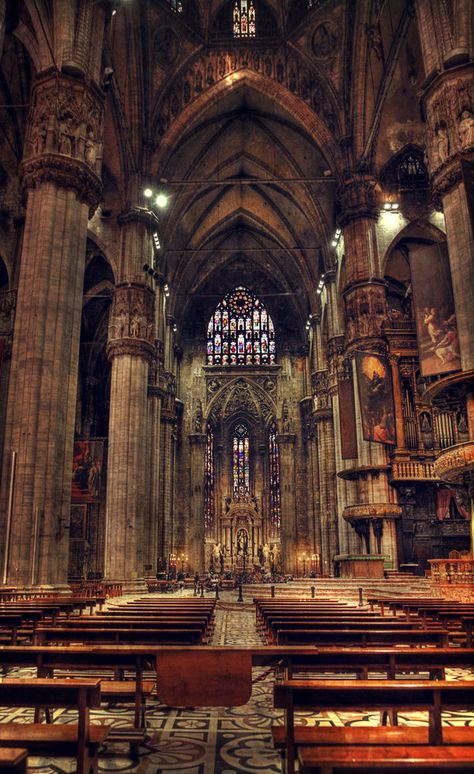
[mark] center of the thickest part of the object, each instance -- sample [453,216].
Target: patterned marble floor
[209,741]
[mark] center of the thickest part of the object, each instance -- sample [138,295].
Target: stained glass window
[241,461]
[240,332]
[274,474]
[243,19]
[209,500]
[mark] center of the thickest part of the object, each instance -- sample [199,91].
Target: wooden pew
[188,635]
[316,624]
[80,739]
[112,661]
[363,638]
[13,760]
[369,695]
[385,760]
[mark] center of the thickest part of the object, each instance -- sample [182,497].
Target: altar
[361,565]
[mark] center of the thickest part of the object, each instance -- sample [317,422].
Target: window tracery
[241,332]
[241,461]
[274,474]
[243,19]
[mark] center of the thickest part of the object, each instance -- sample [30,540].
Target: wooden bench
[171,636]
[385,760]
[80,739]
[13,760]
[113,662]
[365,638]
[384,695]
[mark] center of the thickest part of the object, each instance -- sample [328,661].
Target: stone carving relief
[132,314]
[450,121]
[285,68]
[365,312]
[357,198]
[66,118]
[242,396]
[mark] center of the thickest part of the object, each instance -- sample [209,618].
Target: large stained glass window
[209,499]
[241,461]
[243,19]
[240,332]
[274,474]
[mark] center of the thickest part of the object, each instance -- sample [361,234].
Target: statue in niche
[466,129]
[135,325]
[285,418]
[442,144]
[198,418]
[90,149]
[227,504]
[66,136]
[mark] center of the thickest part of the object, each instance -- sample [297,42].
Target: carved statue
[198,418]
[466,129]
[442,144]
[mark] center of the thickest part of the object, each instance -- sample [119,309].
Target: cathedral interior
[236,288]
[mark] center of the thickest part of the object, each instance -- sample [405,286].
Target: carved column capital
[365,309]
[357,199]
[64,137]
[448,102]
[131,324]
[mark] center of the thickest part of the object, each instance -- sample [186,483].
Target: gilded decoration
[455,463]
[372,511]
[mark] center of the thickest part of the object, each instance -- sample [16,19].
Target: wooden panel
[204,679]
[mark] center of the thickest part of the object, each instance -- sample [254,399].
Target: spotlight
[161,200]
[148,193]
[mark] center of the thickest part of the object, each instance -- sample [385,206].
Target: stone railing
[452,571]
[413,470]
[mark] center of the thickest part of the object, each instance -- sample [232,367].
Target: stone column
[289,534]
[168,527]
[449,105]
[131,350]
[62,186]
[195,526]
[365,309]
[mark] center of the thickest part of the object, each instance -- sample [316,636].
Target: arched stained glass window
[240,332]
[274,475]
[243,19]
[209,498]
[241,461]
